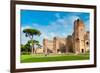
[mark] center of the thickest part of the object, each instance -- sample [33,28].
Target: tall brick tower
[79,41]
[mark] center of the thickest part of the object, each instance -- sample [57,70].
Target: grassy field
[52,57]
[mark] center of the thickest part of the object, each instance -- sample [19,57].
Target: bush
[25,53]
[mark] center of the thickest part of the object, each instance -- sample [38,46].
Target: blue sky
[51,23]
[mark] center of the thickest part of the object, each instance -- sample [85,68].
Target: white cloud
[62,21]
[52,34]
[64,34]
[44,36]
[71,19]
[65,21]
[87,25]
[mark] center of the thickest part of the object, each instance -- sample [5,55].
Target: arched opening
[87,43]
[82,51]
[58,50]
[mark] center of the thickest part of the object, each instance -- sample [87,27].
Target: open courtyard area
[53,57]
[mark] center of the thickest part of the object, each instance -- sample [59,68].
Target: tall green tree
[36,44]
[31,33]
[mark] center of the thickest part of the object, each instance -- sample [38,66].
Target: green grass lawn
[52,57]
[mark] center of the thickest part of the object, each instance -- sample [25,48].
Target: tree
[22,48]
[36,45]
[25,49]
[31,33]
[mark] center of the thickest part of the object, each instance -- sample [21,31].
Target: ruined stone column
[55,45]
[45,41]
[66,46]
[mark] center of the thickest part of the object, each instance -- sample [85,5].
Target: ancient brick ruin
[77,43]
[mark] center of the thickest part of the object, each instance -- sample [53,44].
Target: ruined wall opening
[82,50]
[87,43]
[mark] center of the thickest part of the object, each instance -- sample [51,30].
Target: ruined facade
[80,37]
[76,43]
